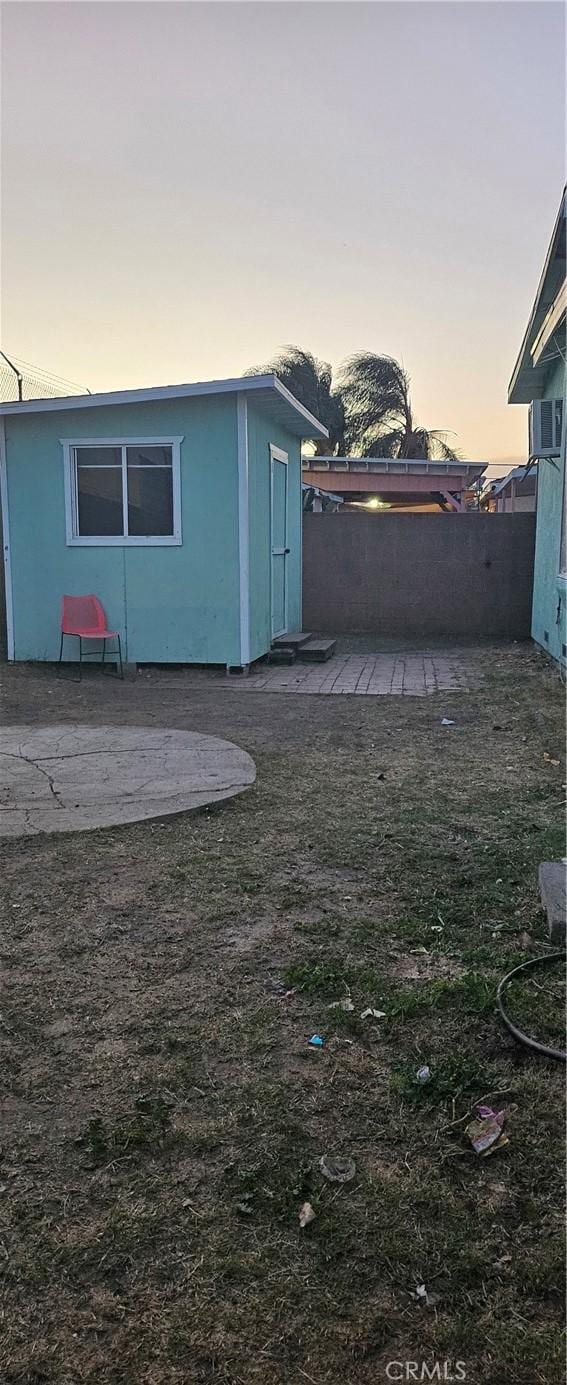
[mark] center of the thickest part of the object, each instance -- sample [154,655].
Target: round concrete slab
[72,778]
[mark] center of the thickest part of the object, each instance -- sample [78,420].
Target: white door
[280,550]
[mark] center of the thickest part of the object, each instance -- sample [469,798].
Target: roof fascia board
[531,327]
[139,396]
[551,323]
[241,384]
[318,429]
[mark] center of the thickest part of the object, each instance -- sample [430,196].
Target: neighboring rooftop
[310,493]
[518,474]
[270,396]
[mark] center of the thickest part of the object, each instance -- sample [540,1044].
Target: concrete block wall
[453,575]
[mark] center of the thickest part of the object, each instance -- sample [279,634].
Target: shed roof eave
[317,429]
[528,380]
[299,419]
[552,330]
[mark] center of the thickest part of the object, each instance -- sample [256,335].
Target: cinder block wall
[418,575]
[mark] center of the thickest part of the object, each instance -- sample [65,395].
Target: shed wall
[170,604]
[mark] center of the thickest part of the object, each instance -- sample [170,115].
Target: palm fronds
[367,412]
[440,448]
[378,443]
[310,381]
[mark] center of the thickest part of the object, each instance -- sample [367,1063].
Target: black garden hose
[518,1034]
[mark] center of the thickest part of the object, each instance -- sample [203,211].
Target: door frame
[278,455]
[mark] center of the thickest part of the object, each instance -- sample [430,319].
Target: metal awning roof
[392,466]
[323,495]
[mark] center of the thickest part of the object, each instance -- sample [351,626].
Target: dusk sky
[187,187]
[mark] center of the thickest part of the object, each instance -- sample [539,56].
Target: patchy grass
[146,1126]
[535,1002]
[455,1076]
[165,1114]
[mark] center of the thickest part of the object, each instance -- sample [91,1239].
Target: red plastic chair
[83,616]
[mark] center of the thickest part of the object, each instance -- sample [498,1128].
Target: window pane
[148,456]
[99,490]
[99,456]
[150,500]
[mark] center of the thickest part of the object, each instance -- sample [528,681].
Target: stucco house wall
[549,611]
[540,374]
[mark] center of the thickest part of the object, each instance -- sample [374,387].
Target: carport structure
[383,483]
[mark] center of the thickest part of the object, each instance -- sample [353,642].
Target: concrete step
[281,656]
[316,651]
[293,641]
[553,893]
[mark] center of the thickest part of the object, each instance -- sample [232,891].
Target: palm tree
[368,411]
[310,381]
[379,422]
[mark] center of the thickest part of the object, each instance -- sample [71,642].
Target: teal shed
[539,380]
[178,506]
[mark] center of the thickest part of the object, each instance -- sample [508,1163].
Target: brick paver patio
[370,675]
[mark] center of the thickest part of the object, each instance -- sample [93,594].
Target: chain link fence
[20,380]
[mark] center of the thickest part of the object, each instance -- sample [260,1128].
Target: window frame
[74,539]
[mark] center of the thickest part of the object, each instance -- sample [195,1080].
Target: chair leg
[103,651]
[120,657]
[61,648]
[80,658]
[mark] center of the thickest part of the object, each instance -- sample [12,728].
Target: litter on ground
[423,1296]
[485,1132]
[337,1170]
[306,1214]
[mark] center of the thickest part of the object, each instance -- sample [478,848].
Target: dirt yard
[164,1115]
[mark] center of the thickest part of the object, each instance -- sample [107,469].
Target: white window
[123,491]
